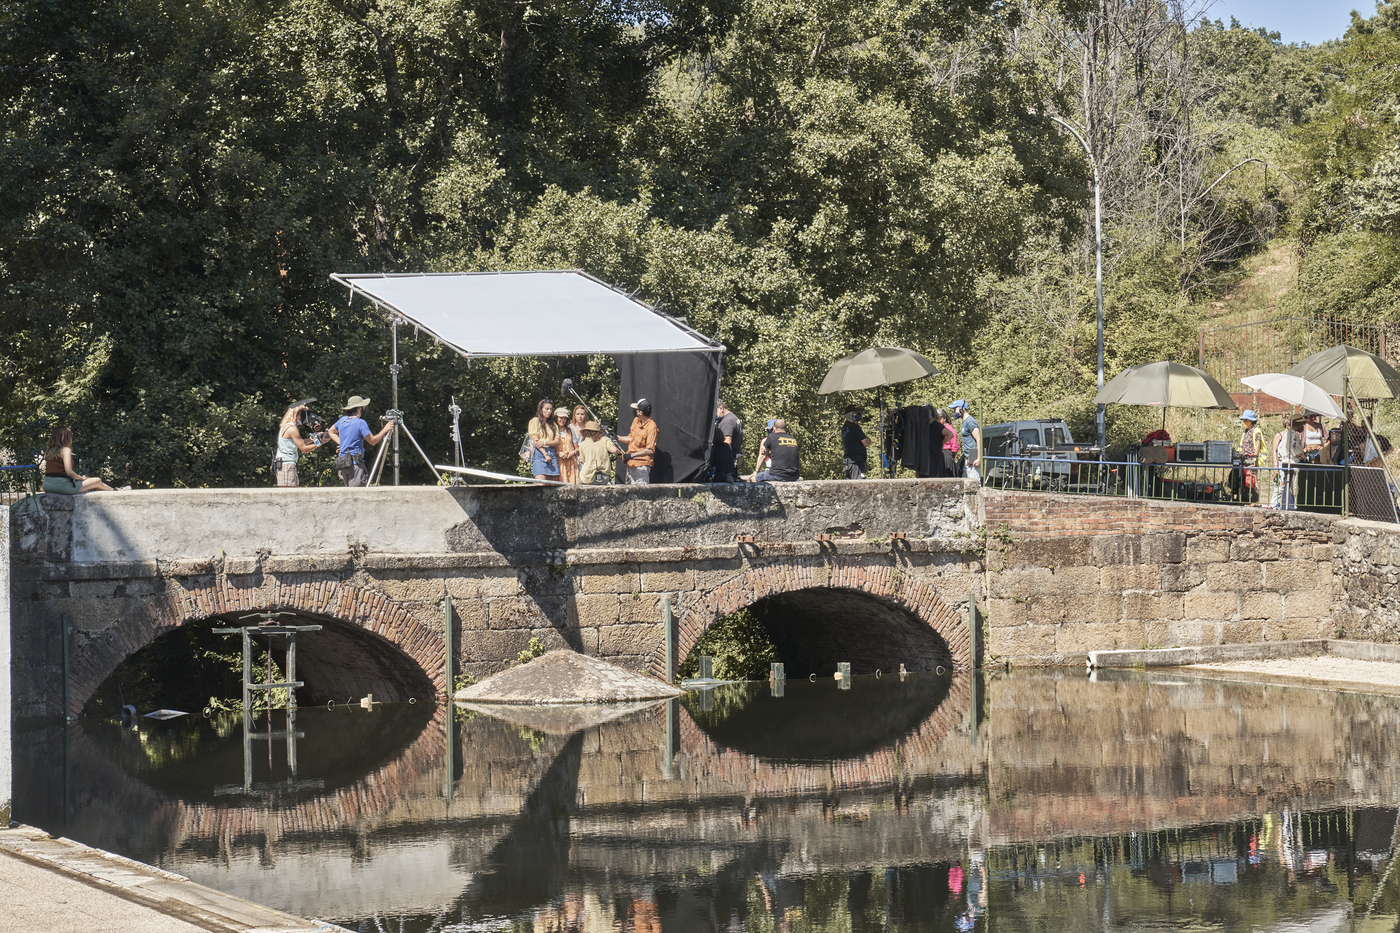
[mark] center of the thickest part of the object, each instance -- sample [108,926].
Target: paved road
[61,886]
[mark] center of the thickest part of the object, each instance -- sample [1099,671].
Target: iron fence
[1275,344]
[18,482]
[1307,486]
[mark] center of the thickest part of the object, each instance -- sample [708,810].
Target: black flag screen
[683,389]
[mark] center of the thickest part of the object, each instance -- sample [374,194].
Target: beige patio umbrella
[1332,369]
[878,366]
[1165,384]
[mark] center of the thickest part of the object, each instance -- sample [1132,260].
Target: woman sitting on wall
[59,475]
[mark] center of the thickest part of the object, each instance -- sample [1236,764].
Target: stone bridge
[877,574]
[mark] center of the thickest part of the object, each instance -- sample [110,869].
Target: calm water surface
[1027,802]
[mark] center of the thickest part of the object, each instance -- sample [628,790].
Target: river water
[1036,801]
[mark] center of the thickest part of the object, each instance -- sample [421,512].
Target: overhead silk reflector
[560,313]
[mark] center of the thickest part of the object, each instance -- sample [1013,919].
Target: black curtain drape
[683,389]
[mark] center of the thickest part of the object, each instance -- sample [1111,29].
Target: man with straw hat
[351,433]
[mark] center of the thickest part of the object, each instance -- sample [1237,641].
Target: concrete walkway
[61,886]
[1332,663]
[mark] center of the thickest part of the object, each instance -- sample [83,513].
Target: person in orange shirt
[641,444]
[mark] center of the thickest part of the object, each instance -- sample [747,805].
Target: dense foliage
[798,180]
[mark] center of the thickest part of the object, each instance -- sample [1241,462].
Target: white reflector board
[562,313]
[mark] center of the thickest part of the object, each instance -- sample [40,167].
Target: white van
[1039,455]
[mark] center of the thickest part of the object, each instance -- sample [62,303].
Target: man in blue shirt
[971,441]
[351,433]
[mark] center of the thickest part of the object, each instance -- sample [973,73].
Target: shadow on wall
[184,668]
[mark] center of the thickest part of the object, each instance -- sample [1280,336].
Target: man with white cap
[971,433]
[641,444]
[351,433]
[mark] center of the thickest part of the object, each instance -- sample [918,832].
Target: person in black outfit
[853,445]
[782,450]
[727,446]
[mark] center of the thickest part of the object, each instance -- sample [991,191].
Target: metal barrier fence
[1307,486]
[18,482]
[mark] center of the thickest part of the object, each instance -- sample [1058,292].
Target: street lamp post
[1098,256]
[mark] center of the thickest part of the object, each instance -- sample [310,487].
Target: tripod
[378,469]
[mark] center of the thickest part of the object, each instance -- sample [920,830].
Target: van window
[1058,438]
[1030,437]
[996,446]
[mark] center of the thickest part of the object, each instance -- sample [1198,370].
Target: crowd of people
[562,446]
[1304,438]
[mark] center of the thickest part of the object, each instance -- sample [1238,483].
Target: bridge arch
[368,639]
[903,619]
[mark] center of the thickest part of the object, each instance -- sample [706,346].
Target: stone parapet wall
[1070,574]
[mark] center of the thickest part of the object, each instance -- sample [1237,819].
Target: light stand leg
[377,471]
[394,372]
[404,428]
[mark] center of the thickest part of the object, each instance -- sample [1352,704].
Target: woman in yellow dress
[568,450]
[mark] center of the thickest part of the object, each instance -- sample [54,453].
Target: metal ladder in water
[268,626]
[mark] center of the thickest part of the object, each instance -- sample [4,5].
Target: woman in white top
[290,447]
[1314,436]
[1288,450]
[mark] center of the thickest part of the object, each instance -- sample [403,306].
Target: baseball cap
[771,422]
[642,405]
[958,405]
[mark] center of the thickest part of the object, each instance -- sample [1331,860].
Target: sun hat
[591,426]
[1248,415]
[642,405]
[1299,417]
[356,402]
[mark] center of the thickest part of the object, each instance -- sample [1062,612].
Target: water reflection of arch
[918,751]
[112,795]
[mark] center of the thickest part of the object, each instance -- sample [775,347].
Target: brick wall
[1069,574]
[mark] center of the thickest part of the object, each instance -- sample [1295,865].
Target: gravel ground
[1323,668]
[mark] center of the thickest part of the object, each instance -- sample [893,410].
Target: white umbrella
[1295,390]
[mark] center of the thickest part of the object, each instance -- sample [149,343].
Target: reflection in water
[1072,805]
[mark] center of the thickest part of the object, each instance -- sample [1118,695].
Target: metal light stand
[394,374]
[397,415]
[456,411]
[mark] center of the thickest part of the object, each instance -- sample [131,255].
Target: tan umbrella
[1165,385]
[878,366]
[1369,375]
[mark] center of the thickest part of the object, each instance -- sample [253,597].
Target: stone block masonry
[584,569]
[1067,575]
[876,573]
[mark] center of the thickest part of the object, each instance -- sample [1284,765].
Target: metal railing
[1307,486]
[1275,343]
[19,482]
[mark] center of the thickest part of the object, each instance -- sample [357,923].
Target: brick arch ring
[879,580]
[95,658]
